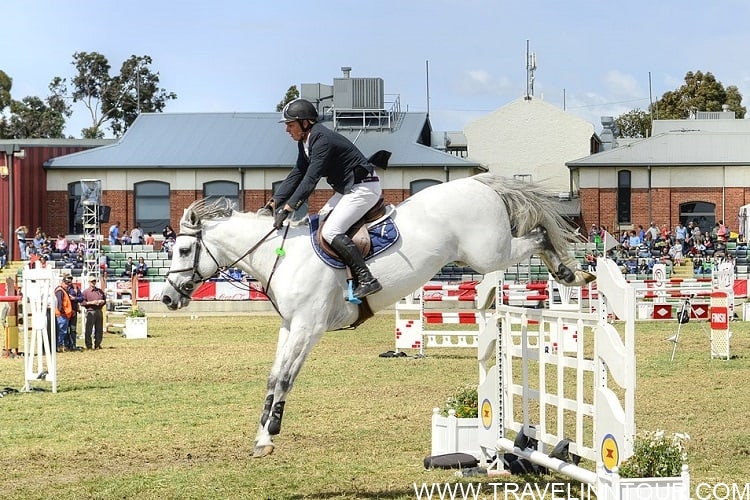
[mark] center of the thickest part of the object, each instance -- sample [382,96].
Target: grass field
[174,416]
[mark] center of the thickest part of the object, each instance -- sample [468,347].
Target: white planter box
[454,435]
[136,328]
[647,488]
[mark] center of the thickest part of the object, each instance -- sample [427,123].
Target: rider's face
[294,129]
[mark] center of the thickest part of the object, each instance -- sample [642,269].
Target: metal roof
[700,144]
[211,140]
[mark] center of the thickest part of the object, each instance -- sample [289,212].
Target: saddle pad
[383,235]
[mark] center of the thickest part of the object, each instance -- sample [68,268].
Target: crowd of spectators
[639,249]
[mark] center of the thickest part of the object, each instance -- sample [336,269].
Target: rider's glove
[280,217]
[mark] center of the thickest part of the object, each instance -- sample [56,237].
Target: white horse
[486,222]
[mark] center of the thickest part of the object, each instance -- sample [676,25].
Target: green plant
[464,401]
[656,455]
[135,312]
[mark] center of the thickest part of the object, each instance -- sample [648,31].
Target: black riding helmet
[299,109]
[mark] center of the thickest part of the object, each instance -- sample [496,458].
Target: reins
[186,289]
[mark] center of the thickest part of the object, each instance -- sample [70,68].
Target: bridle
[188,287]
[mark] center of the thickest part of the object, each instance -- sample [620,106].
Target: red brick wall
[599,206]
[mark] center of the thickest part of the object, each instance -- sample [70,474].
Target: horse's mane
[530,205]
[206,209]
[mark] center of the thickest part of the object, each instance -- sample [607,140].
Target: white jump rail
[586,396]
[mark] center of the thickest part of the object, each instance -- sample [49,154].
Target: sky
[457,59]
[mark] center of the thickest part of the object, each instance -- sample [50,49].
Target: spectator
[76,297]
[141,269]
[593,233]
[129,269]
[136,235]
[114,233]
[125,238]
[94,300]
[167,245]
[61,244]
[675,253]
[168,232]
[72,247]
[3,252]
[67,263]
[63,313]
[39,238]
[149,239]
[21,232]
[103,263]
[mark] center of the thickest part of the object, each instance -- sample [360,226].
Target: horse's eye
[184,252]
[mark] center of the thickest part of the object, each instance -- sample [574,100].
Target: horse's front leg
[291,352]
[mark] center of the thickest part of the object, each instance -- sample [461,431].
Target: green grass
[174,416]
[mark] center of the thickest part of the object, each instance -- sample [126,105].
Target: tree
[635,123]
[291,94]
[115,100]
[700,92]
[32,117]
[5,85]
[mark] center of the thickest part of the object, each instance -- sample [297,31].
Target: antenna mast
[530,68]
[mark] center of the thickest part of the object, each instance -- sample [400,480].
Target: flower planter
[646,488]
[454,435]
[136,328]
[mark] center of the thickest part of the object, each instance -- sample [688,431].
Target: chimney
[346,70]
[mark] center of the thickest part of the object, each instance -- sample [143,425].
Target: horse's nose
[166,300]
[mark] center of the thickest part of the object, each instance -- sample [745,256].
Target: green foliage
[656,455]
[701,92]
[32,118]
[635,123]
[115,100]
[464,401]
[135,312]
[292,93]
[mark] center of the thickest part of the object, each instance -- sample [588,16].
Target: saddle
[358,232]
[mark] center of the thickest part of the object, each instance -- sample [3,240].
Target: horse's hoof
[263,451]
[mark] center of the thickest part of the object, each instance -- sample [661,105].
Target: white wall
[530,137]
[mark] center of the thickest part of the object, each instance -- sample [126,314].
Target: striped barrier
[661,298]
[412,314]
[579,404]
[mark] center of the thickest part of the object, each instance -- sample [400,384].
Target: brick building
[695,169]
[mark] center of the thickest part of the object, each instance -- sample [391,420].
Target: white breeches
[346,209]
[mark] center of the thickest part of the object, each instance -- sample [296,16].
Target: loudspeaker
[104,211]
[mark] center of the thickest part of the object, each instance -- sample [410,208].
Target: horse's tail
[530,205]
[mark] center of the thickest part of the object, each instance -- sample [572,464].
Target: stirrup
[350,293]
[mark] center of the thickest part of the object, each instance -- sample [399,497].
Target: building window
[623,197]
[152,205]
[417,186]
[700,212]
[226,189]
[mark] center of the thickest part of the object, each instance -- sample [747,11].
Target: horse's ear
[190,219]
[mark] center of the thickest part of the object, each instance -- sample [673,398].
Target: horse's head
[192,262]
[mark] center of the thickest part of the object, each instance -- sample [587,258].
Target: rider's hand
[280,217]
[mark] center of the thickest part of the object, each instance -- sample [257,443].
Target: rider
[324,152]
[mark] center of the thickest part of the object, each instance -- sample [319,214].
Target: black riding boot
[352,257]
